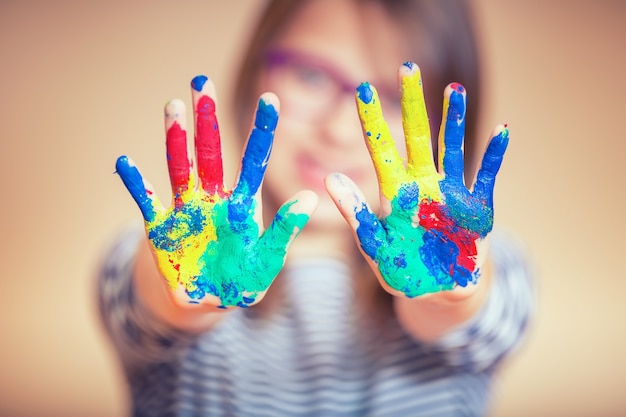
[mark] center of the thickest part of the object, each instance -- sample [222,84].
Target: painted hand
[432,230]
[210,244]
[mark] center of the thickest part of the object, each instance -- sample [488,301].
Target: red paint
[457,87]
[432,216]
[177,161]
[208,147]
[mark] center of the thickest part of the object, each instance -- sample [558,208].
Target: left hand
[432,230]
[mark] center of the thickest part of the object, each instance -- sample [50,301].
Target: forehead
[359,38]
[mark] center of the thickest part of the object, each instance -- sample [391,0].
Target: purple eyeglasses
[310,88]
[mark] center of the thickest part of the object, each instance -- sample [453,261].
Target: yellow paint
[421,164]
[387,161]
[442,130]
[182,265]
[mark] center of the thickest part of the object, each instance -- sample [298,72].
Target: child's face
[314,67]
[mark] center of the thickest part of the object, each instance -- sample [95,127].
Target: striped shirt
[315,354]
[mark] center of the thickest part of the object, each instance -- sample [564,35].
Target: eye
[312,77]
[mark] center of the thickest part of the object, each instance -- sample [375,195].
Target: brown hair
[446,26]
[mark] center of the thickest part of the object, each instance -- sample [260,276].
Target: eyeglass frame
[274,57]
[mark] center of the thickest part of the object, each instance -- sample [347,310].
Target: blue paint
[189,217]
[470,212]
[253,165]
[198,82]
[365,93]
[229,291]
[438,254]
[203,287]
[131,177]
[409,64]
[492,160]
[461,204]
[257,154]
[400,260]
[370,232]
[453,137]
[239,209]
[408,196]
[248,300]
[266,117]
[195,295]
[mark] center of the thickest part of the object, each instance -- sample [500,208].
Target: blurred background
[83,82]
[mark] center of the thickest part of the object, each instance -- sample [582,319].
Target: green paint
[399,259]
[239,264]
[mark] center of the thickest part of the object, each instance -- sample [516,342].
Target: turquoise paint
[239,264]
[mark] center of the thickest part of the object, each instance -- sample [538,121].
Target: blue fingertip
[121,163]
[266,116]
[365,92]
[492,160]
[456,110]
[504,137]
[134,184]
[258,150]
[198,82]
[501,142]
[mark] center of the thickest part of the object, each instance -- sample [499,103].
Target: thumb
[289,221]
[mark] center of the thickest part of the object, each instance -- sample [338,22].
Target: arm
[429,245]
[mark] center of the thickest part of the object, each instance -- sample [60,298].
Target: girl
[411,320]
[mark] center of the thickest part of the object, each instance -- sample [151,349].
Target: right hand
[210,244]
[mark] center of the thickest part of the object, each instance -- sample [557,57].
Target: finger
[176,143]
[141,191]
[385,156]
[289,222]
[452,132]
[350,201]
[207,136]
[415,121]
[492,160]
[258,149]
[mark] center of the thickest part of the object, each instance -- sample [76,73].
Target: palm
[429,234]
[210,242]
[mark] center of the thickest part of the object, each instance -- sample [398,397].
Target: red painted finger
[176,143]
[207,136]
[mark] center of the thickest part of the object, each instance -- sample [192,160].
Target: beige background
[84,83]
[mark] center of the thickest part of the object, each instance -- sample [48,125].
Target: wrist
[431,316]
[155,295]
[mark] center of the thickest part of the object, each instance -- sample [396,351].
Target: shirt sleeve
[137,335]
[501,324]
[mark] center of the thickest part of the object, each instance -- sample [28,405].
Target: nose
[341,127]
